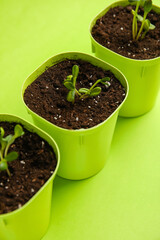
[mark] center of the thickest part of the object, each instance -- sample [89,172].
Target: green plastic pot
[143,76]
[30,222]
[84,151]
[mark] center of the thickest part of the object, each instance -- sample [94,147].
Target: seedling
[145,23]
[70,84]
[5,143]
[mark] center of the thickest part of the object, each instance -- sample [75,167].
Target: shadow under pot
[76,98]
[29,160]
[139,60]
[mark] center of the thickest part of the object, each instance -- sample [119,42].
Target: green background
[122,202]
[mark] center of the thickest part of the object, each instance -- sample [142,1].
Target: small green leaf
[139,17]
[75,71]
[68,79]
[83,90]
[148,26]
[147,6]
[11,156]
[95,91]
[1,132]
[71,96]
[152,26]
[104,80]
[69,85]
[3,144]
[3,165]
[146,23]
[18,131]
[9,139]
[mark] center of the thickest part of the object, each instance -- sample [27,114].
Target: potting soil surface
[47,96]
[114,31]
[35,164]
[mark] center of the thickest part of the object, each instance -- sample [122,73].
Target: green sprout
[145,23]
[5,143]
[70,84]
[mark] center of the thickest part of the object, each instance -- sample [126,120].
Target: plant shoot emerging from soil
[5,143]
[82,93]
[145,23]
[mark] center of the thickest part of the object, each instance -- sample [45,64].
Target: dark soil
[47,96]
[114,31]
[35,164]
